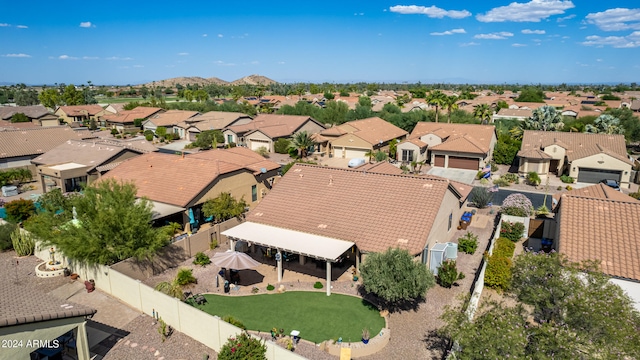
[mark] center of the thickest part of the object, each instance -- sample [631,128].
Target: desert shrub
[480,197]
[501,182]
[504,248]
[270,287]
[201,259]
[533,178]
[494,167]
[281,146]
[498,272]
[243,347]
[484,181]
[185,276]
[19,210]
[480,174]
[23,242]
[559,188]
[468,243]
[233,321]
[542,210]
[566,179]
[635,195]
[448,274]
[569,188]
[517,205]
[114,131]
[510,177]
[318,285]
[148,137]
[512,231]
[263,151]
[5,236]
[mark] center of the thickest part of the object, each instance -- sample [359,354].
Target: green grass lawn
[317,316]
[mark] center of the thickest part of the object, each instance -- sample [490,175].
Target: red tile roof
[32,112]
[81,110]
[578,145]
[35,141]
[273,125]
[128,116]
[469,138]
[172,117]
[373,130]
[376,211]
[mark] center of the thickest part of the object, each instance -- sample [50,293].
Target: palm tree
[544,118]
[605,124]
[302,141]
[436,98]
[482,112]
[370,154]
[451,104]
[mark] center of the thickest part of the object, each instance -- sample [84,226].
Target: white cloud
[280,62]
[630,41]
[255,62]
[494,36]
[138,66]
[518,45]
[22,27]
[222,63]
[432,11]
[568,17]
[530,32]
[205,35]
[4,25]
[90,58]
[449,32]
[67,57]
[599,60]
[86,24]
[220,35]
[469,44]
[532,11]
[17,55]
[358,14]
[616,19]
[183,54]
[119,58]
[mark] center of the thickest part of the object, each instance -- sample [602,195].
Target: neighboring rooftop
[172,117]
[81,110]
[273,125]
[373,130]
[577,145]
[128,116]
[32,112]
[375,211]
[216,120]
[87,153]
[471,138]
[35,141]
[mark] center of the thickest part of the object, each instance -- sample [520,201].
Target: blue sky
[116,42]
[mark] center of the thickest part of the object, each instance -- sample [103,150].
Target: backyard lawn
[317,316]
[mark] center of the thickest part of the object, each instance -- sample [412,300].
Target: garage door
[337,152]
[439,161]
[351,153]
[463,163]
[593,176]
[256,144]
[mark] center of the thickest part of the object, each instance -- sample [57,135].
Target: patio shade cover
[234,260]
[320,247]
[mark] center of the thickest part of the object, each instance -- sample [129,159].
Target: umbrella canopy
[234,260]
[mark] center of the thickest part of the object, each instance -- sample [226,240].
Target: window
[450,221]
[229,139]
[254,193]
[407,155]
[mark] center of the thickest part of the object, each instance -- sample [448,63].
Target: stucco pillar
[82,342]
[446,161]
[328,278]
[358,260]
[279,261]
[232,244]
[302,259]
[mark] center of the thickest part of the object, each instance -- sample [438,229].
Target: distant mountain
[247,80]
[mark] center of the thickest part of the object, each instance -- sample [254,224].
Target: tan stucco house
[585,157]
[265,129]
[125,120]
[212,120]
[168,119]
[460,146]
[38,114]
[81,113]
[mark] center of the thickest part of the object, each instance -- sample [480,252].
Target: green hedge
[498,273]
[504,248]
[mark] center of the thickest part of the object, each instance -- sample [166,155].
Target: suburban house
[115,107]
[125,120]
[19,147]
[586,157]
[212,120]
[41,325]
[178,186]
[518,114]
[265,129]
[355,139]
[81,113]
[76,162]
[351,216]
[600,223]
[168,119]
[460,146]
[38,114]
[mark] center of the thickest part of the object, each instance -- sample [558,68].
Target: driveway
[461,175]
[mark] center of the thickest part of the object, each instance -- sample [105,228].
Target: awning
[161,210]
[315,246]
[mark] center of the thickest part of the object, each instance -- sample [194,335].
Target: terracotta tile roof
[36,141]
[578,145]
[471,138]
[8,125]
[273,125]
[350,200]
[24,305]
[373,130]
[176,180]
[417,142]
[81,110]
[597,191]
[382,167]
[516,113]
[534,154]
[88,153]
[593,228]
[171,117]
[128,116]
[139,144]
[333,131]
[32,112]
[215,120]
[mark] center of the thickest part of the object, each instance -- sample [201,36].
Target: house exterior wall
[49,122]
[234,136]
[540,166]
[602,161]
[417,155]
[440,231]
[431,139]
[310,127]
[239,185]
[340,145]
[557,153]
[17,161]
[260,139]
[492,145]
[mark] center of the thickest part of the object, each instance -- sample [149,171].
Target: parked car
[611,183]
[356,162]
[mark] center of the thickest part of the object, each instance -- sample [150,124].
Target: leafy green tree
[544,118]
[19,210]
[506,149]
[450,103]
[302,142]
[438,99]
[242,347]
[138,122]
[19,118]
[482,112]
[208,138]
[112,225]
[161,132]
[50,98]
[335,112]
[224,207]
[71,96]
[281,146]
[395,277]
[605,124]
[25,97]
[531,94]
[6,230]
[329,96]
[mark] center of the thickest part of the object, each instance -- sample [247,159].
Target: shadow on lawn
[437,342]
[374,301]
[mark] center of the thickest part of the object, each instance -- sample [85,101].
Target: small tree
[448,274]
[19,118]
[263,151]
[517,205]
[224,207]
[6,230]
[161,132]
[468,243]
[481,197]
[533,178]
[281,146]
[19,210]
[243,347]
[137,122]
[395,277]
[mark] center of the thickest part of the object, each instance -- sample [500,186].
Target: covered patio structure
[297,242]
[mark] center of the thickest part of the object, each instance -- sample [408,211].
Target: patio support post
[328,278]
[279,266]
[232,244]
[358,260]
[82,342]
[302,259]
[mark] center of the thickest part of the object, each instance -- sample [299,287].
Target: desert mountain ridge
[247,80]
